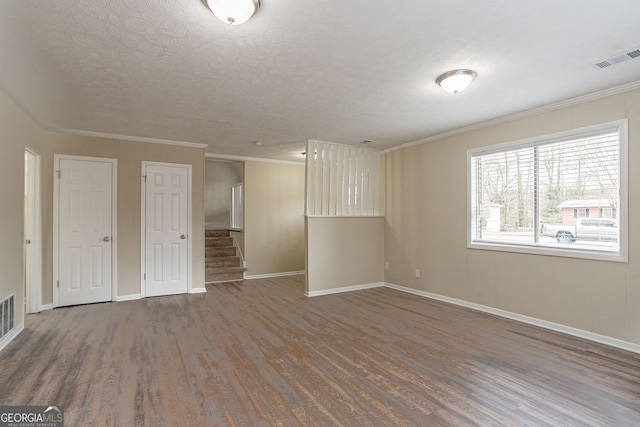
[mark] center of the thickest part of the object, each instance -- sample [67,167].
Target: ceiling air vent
[618,59]
[634,53]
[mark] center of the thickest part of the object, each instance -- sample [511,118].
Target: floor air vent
[7,314]
[618,59]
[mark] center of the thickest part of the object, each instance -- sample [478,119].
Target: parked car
[585,229]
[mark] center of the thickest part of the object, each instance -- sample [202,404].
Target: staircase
[221,260]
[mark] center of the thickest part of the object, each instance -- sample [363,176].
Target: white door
[166,223]
[32,232]
[84,231]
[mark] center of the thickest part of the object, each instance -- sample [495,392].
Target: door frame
[143,223]
[114,220]
[33,257]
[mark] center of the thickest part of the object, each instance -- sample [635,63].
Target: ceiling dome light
[455,81]
[233,12]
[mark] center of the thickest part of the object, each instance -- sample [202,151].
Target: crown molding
[360,147]
[523,114]
[128,137]
[120,137]
[20,106]
[213,156]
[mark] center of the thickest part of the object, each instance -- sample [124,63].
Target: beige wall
[274,217]
[16,132]
[426,228]
[220,176]
[344,252]
[130,156]
[239,236]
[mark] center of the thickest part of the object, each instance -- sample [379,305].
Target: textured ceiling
[340,71]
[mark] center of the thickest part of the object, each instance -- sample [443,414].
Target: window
[237,205]
[535,196]
[608,213]
[581,213]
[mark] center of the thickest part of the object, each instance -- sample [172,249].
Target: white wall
[426,229]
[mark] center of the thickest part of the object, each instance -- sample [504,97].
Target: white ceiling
[332,70]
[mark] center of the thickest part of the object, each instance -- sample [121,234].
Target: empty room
[319,213]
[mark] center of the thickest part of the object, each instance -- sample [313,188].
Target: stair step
[228,261]
[217,233]
[217,241]
[221,261]
[219,251]
[223,269]
[227,269]
[224,274]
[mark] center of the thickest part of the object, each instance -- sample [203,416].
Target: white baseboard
[344,289]
[269,275]
[198,290]
[46,307]
[130,297]
[580,333]
[11,335]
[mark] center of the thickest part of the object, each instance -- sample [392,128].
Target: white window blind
[342,180]
[537,193]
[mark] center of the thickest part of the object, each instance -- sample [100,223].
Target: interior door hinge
[58,283]
[145,276]
[59,172]
[145,178]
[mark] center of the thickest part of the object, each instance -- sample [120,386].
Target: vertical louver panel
[342,180]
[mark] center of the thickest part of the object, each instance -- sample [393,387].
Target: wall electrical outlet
[417,272]
[386,265]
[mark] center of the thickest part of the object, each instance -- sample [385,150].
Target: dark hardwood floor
[259,353]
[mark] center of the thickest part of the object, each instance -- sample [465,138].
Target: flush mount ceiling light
[233,12]
[456,80]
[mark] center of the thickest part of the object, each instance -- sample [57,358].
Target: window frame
[621,126]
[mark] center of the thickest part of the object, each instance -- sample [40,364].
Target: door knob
[183,236]
[107,238]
